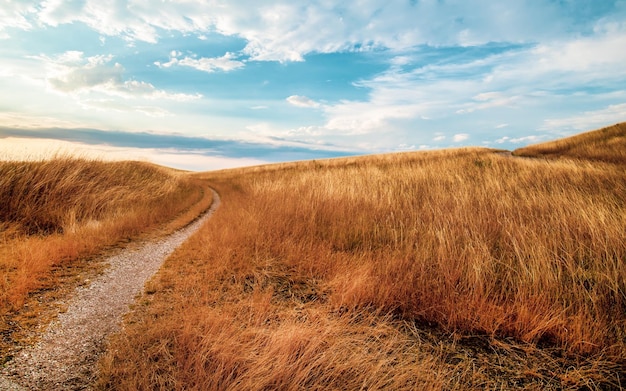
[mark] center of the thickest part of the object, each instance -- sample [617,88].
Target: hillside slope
[606,144]
[441,270]
[58,215]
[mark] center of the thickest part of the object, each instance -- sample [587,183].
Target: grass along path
[458,269]
[65,356]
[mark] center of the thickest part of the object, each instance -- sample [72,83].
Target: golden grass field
[607,144]
[453,269]
[56,216]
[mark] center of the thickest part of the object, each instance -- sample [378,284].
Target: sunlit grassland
[606,144]
[55,214]
[442,270]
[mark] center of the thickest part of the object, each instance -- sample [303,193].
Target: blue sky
[213,84]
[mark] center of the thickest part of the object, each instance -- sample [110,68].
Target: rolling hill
[450,269]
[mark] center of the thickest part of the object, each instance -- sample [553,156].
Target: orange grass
[607,144]
[54,212]
[330,274]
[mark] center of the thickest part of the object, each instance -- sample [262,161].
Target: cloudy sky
[206,84]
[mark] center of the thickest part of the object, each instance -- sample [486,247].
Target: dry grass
[607,145]
[55,215]
[442,270]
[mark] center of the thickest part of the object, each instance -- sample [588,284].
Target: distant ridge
[606,144]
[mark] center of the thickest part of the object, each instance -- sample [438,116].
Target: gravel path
[65,357]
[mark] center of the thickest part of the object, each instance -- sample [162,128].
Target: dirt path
[66,355]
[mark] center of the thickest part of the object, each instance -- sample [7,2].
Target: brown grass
[57,214]
[441,270]
[607,145]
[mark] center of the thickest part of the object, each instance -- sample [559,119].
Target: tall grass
[607,144]
[324,275]
[56,212]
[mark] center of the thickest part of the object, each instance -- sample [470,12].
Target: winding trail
[66,356]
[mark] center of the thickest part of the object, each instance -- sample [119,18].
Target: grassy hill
[450,269]
[56,216]
[607,145]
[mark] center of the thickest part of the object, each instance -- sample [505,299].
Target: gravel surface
[66,355]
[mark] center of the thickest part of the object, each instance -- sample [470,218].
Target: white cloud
[26,121]
[405,147]
[15,14]
[488,96]
[518,140]
[575,61]
[283,30]
[368,117]
[517,80]
[225,63]
[119,18]
[502,140]
[302,101]
[15,148]
[457,138]
[305,130]
[488,100]
[588,120]
[603,49]
[115,105]
[73,73]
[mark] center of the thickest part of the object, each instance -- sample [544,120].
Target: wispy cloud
[115,105]
[225,63]
[302,101]
[126,19]
[268,149]
[17,121]
[15,14]
[73,73]
[487,100]
[287,31]
[457,138]
[512,79]
[588,120]
[16,148]
[526,139]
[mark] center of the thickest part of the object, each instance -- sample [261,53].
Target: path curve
[65,357]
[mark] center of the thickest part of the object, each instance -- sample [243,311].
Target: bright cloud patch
[457,138]
[287,31]
[302,101]
[36,149]
[72,72]
[225,63]
[590,119]
[15,14]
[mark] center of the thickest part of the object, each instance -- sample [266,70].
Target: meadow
[453,269]
[57,216]
[606,145]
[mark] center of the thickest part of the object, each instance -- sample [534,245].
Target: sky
[210,84]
